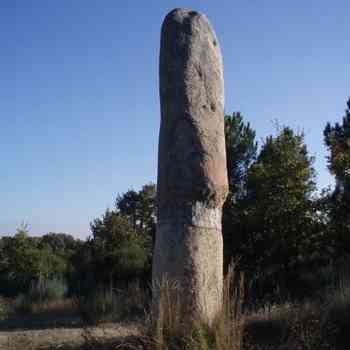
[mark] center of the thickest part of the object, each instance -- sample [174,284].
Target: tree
[23,258]
[278,214]
[337,140]
[127,205]
[118,251]
[59,243]
[241,149]
[23,261]
[139,208]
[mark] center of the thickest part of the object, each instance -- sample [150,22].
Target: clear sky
[79,97]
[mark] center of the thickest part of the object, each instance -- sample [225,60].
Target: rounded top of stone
[182,14]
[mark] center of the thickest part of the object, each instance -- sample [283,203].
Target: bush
[39,294]
[45,291]
[23,305]
[4,309]
[133,300]
[100,306]
[105,305]
[55,289]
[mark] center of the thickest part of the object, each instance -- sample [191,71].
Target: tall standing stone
[192,174]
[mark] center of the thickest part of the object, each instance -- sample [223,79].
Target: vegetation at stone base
[288,326]
[173,331]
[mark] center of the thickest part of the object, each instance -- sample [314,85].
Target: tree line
[285,235]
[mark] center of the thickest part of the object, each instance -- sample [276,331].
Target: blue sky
[79,98]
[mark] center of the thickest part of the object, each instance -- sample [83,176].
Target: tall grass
[308,325]
[229,327]
[172,331]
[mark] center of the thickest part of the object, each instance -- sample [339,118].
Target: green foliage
[279,211]
[82,274]
[276,231]
[105,305]
[22,261]
[47,290]
[39,293]
[241,149]
[60,244]
[25,260]
[118,251]
[4,309]
[337,140]
[272,220]
[140,209]
[23,305]
[99,306]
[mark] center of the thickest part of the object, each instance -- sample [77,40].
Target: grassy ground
[68,325]
[66,338]
[58,325]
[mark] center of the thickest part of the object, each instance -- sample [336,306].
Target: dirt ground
[53,338]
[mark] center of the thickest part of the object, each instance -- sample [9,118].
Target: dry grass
[306,326]
[229,327]
[288,326]
[170,331]
[107,336]
[62,313]
[55,308]
[23,307]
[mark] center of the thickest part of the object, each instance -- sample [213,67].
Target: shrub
[50,290]
[55,289]
[133,300]
[23,305]
[4,309]
[39,294]
[100,306]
